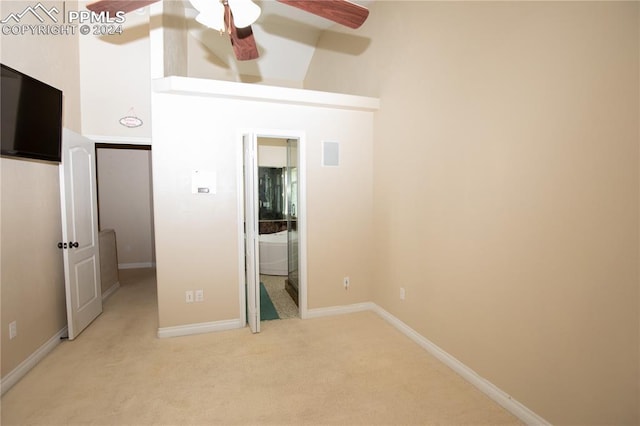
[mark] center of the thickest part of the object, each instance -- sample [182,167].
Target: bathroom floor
[284,304]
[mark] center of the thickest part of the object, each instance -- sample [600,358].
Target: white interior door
[250,146]
[79,206]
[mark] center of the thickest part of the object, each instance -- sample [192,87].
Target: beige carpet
[348,370]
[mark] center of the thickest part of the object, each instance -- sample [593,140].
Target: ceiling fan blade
[242,40]
[342,12]
[113,6]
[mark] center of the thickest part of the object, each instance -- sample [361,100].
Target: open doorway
[278,228]
[273,216]
[125,211]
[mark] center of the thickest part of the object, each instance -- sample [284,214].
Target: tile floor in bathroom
[282,301]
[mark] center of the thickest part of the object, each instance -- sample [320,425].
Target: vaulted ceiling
[286,38]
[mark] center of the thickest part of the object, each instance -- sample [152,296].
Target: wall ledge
[23,368]
[258,92]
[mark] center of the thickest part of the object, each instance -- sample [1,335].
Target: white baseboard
[488,388]
[111,290]
[339,310]
[198,328]
[136,265]
[23,368]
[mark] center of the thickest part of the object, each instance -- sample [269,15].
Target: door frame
[129,143]
[300,136]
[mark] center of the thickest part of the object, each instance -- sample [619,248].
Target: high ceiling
[286,38]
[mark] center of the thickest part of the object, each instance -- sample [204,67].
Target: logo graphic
[33,10]
[69,22]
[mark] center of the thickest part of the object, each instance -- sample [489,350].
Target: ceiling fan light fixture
[212,21]
[245,12]
[211,13]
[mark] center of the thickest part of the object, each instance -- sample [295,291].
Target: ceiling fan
[236,16]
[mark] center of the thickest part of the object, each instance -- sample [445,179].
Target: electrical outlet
[402,293]
[345,282]
[13,330]
[199,295]
[188,296]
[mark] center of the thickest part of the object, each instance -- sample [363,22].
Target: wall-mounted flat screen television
[30,117]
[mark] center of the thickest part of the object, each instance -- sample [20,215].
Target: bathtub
[273,253]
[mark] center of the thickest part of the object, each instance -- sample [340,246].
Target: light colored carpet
[284,304]
[348,370]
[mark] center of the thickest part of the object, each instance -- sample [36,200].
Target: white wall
[272,152]
[506,190]
[197,235]
[30,201]
[125,203]
[115,79]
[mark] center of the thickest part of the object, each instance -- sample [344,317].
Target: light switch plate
[203,182]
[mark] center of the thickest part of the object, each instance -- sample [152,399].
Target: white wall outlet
[13,330]
[188,296]
[199,295]
[402,293]
[345,283]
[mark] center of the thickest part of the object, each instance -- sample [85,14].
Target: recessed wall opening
[125,212]
[273,211]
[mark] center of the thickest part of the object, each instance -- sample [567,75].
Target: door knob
[62,245]
[73,245]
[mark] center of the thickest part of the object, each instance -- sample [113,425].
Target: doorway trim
[300,136]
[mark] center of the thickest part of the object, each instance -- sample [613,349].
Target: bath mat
[267,310]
